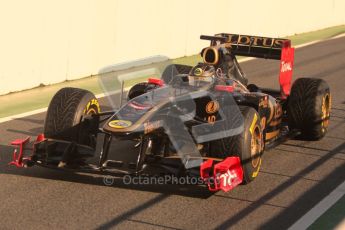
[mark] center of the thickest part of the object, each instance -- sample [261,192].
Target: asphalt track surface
[294,176]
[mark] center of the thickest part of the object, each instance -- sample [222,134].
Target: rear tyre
[174,69]
[64,117]
[309,107]
[248,145]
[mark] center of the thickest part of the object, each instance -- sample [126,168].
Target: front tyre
[64,117]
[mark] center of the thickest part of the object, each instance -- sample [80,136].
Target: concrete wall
[50,41]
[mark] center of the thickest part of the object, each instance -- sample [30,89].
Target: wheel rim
[92,107]
[91,112]
[325,108]
[256,146]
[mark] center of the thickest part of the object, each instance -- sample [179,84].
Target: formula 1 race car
[203,120]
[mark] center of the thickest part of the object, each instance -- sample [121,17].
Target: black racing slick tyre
[64,117]
[248,145]
[309,107]
[174,69]
[140,88]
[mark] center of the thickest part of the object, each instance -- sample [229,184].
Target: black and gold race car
[204,120]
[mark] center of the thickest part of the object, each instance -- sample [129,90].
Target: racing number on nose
[211,119]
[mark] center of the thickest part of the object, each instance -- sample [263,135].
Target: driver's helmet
[202,75]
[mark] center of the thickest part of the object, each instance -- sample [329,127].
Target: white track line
[33,112]
[37,111]
[338,36]
[309,43]
[311,216]
[21,115]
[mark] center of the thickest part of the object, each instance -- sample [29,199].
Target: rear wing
[250,46]
[260,47]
